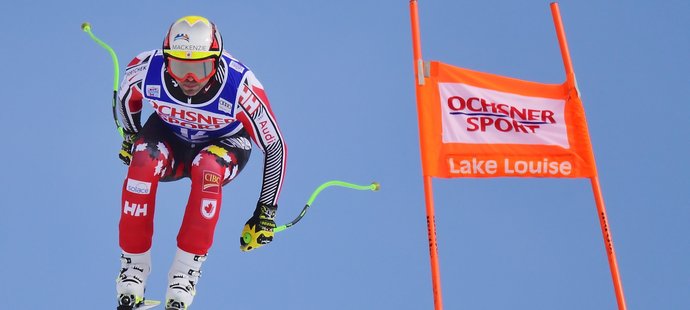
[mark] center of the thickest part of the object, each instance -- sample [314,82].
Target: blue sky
[340,80]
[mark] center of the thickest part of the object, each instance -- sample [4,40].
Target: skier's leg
[151,160]
[214,166]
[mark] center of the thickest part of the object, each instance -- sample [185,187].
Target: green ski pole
[374,186]
[86,27]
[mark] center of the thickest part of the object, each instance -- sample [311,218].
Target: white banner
[483,116]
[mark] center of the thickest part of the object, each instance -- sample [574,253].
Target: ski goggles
[199,70]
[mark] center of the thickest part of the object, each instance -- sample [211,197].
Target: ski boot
[182,279]
[131,282]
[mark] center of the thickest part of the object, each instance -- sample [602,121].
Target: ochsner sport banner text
[476,124]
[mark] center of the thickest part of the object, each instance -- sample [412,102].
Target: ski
[147,304]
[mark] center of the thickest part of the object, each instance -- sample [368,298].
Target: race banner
[475,124]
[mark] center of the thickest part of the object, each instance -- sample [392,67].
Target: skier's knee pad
[152,156]
[217,159]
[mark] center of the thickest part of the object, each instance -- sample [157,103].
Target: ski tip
[148,304]
[85,26]
[375,186]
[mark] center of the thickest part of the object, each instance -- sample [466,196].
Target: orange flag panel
[475,124]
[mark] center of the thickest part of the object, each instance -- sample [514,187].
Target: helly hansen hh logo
[135,209]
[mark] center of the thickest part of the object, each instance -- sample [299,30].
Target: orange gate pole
[596,188]
[428,191]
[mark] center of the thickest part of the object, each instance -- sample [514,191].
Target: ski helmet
[192,48]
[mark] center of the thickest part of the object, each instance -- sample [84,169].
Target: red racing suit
[204,137]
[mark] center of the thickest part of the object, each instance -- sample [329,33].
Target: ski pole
[374,186]
[86,27]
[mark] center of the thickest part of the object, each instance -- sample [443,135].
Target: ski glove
[126,149]
[259,228]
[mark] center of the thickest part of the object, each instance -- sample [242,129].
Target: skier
[207,106]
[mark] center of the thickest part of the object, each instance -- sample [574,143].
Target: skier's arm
[261,124]
[129,103]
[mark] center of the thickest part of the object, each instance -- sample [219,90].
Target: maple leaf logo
[208,208]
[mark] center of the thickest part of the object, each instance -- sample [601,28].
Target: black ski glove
[126,149]
[259,228]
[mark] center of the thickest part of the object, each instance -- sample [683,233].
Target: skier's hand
[259,228]
[126,149]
